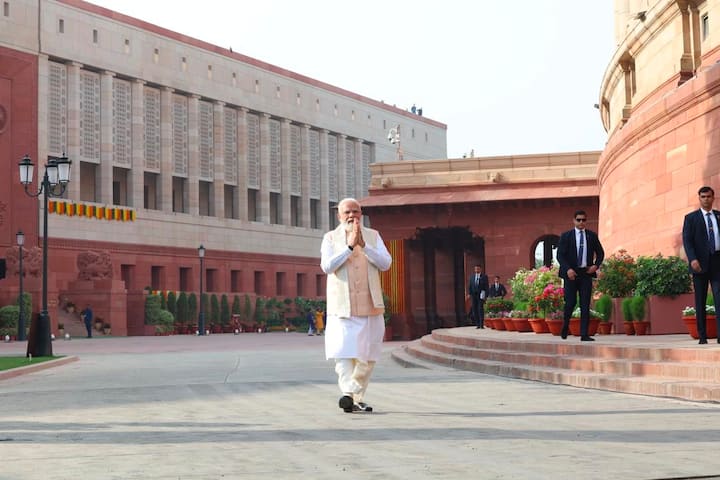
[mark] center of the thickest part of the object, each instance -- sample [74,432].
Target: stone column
[342,167]
[285,174]
[105,182]
[305,176]
[264,194]
[686,59]
[241,191]
[73,128]
[359,186]
[137,168]
[193,181]
[166,139]
[324,184]
[218,186]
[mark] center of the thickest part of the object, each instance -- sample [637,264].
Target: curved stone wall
[659,102]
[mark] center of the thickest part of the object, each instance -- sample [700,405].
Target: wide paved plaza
[265,406]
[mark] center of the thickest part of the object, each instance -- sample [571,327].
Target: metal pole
[40,344]
[201,320]
[21,320]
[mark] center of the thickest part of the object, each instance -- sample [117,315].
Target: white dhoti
[356,344]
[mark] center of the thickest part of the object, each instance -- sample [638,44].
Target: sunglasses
[581,219]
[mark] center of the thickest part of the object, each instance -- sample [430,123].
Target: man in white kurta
[353,256]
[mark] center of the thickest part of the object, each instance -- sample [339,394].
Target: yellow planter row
[72,209]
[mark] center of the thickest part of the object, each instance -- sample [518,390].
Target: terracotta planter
[604,328]
[509,324]
[554,326]
[663,313]
[521,325]
[629,328]
[538,325]
[710,326]
[499,323]
[592,326]
[641,327]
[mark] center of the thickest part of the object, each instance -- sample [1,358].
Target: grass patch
[7,363]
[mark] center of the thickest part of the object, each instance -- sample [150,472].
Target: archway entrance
[447,255]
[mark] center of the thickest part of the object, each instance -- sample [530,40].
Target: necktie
[581,249]
[711,233]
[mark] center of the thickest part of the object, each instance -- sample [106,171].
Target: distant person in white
[353,256]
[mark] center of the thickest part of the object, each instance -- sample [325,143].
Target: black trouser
[88,327]
[700,285]
[478,311]
[582,285]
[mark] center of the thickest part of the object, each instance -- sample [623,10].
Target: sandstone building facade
[176,143]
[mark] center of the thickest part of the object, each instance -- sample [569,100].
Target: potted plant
[617,276]
[666,283]
[690,321]
[593,323]
[604,307]
[61,329]
[519,319]
[637,306]
[627,316]
[106,328]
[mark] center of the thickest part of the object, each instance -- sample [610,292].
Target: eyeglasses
[581,219]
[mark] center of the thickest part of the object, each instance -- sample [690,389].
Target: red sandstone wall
[651,169]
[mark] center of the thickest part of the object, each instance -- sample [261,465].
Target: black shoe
[346,403]
[564,333]
[363,407]
[703,341]
[587,338]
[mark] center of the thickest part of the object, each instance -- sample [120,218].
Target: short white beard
[348,225]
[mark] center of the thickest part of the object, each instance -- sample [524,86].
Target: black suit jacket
[567,251]
[500,291]
[695,238]
[474,290]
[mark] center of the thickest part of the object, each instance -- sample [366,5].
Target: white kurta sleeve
[329,259]
[378,255]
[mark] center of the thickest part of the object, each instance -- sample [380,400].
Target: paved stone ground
[265,406]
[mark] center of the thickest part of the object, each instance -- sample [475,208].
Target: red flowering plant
[550,301]
[617,275]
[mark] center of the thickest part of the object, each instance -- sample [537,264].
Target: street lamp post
[54,183]
[394,138]
[201,317]
[20,237]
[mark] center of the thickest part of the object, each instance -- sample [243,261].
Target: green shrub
[214,309]
[192,308]
[171,303]
[182,313]
[9,315]
[224,310]
[259,310]
[664,276]
[604,307]
[637,307]
[152,309]
[247,311]
[236,305]
[626,307]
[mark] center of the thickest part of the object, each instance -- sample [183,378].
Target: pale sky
[505,77]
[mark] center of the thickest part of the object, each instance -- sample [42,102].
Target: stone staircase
[660,365]
[73,325]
